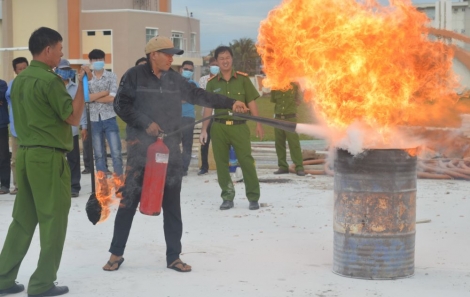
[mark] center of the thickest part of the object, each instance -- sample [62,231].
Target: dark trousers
[172,222]
[87,155]
[73,158]
[4,158]
[205,149]
[187,141]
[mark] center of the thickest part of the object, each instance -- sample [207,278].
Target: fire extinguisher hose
[283,125]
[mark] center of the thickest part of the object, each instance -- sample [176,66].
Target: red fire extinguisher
[154,178]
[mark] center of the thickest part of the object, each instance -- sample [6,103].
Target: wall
[128,31]
[98,41]
[25,21]
[152,5]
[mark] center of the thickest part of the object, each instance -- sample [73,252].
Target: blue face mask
[98,65]
[187,74]
[65,74]
[214,70]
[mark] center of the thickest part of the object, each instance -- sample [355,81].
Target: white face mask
[214,70]
[187,74]
[98,65]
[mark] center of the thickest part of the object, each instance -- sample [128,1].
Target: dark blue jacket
[4,119]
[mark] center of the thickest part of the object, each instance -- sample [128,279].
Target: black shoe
[16,288]
[254,205]
[202,172]
[86,171]
[281,171]
[226,205]
[300,173]
[75,194]
[54,291]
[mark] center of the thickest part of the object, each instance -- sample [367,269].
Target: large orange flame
[106,195]
[359,61]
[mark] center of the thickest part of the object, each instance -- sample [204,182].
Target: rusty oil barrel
[374,214]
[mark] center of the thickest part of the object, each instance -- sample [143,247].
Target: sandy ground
[285,249]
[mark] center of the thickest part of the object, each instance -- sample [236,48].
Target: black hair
[19,60]
[42,38]
[212,59]
[187,63]
[96,54]
[143,59]
[222,49]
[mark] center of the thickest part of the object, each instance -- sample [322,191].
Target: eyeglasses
[187,69]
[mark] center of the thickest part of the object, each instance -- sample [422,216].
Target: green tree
[245,56]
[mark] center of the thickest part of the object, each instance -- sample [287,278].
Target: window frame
[180,37]
[147,35]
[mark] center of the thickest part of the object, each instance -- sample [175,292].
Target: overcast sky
[225,20]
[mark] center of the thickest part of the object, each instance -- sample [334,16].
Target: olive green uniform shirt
[239,87]
[285,101]
[41,107]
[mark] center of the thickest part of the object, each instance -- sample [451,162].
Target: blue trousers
[111,130]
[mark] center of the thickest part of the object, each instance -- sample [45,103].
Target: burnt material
[374,214]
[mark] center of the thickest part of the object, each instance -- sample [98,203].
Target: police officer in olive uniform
[285,109]
[44,112]
[227,131]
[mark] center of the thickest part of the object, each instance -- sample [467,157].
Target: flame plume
[359,61]
[106,195]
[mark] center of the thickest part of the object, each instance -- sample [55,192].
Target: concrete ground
[283,249]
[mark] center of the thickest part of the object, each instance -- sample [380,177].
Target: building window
[106,33]
[193,42]
[150,33]
[177,38]
[90,33]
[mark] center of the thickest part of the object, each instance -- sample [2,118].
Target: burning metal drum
[374,214]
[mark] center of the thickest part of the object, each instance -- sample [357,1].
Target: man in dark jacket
[4,141]
[149,101]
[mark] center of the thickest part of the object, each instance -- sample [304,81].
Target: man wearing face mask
[73,157]
[205,141]
[103,88]
[188,117]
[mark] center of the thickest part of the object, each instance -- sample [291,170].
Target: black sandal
[178,261]
[111,264]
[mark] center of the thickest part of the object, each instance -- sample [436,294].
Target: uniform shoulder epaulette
[211,78]
[242,73]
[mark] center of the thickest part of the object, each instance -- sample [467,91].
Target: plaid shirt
[107,82]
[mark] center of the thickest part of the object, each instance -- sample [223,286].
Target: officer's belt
[229,122]
[285,116]
[44,147]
